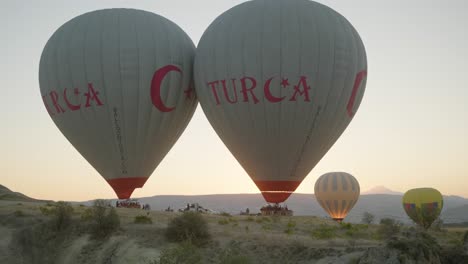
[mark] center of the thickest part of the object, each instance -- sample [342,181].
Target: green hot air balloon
[423,205]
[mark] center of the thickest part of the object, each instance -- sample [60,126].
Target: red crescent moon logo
[158,77]
[268,95]
[70,105]
[357,83]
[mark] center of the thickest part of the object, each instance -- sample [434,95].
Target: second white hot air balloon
[280,81]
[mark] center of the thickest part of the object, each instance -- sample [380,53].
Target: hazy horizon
[410,131]
[366,192]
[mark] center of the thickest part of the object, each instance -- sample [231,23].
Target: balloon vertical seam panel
[113,107]
[328,110]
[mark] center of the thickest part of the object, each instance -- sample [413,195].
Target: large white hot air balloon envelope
[280,81]
[118,84]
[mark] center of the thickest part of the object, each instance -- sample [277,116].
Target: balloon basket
[276,210]
[128,203]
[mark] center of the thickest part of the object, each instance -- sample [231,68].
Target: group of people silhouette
[275,209]
[132,204]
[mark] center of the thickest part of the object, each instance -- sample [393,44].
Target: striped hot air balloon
[279,81]
[118,84]
[423,205]
[337,193]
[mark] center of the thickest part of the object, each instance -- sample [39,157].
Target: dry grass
[251,239]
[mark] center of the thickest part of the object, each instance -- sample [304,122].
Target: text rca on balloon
[246,87]
[60,105]
[59,101]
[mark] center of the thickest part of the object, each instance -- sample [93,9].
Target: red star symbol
[284,82]
[76,91]
[188,92]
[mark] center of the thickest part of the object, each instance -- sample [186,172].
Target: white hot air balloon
[280,81]
[118,84]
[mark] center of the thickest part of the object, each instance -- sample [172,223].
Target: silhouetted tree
[368,218]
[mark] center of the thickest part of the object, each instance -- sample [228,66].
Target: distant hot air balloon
[118,84]
[279,81]
[423,205]
[337,193]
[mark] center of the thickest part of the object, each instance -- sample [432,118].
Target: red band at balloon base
[124,187]
[277,191]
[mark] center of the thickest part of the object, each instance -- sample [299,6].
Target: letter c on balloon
[156,82]
[270,97]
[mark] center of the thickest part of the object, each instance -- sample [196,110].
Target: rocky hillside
[8,195]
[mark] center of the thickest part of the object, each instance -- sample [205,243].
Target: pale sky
[410,131]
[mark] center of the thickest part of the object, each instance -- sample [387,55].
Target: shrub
[356,230]
[262,219]
[250,219]
[454,242]
[437,225]
[290,227]
[104,219]
[324,232]
[388,228]
[143,219]
[291,224]
[110,224]
[275,218]
[46,210]
[61,214]
[354,260]
[190,226]
[367,218]
[87,214]
[346,226]
[453,255]
[233,256]
[416,245]
[235,259]
[352,243]
[225,214]
[231,253]
[223,222]
[184,253]
[18,213]
[465,238]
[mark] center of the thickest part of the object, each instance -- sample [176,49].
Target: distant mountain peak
[381,190]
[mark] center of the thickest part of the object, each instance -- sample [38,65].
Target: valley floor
[25,238]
